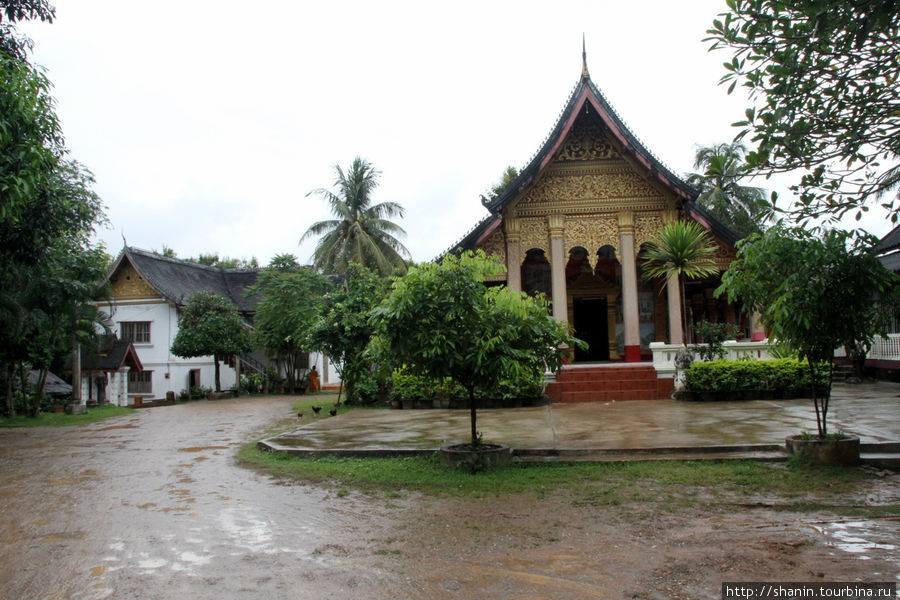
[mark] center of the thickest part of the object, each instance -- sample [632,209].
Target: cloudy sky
[207,122]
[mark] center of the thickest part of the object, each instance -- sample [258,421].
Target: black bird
[316,409]
[299,415]
[332,412]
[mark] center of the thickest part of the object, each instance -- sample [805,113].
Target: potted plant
[815,294]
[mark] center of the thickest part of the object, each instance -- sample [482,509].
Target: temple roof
[588,99]
[890,242]
[177,280]
[110,354]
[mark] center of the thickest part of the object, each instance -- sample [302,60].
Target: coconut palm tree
[683,249]
[743,208]
[361,232]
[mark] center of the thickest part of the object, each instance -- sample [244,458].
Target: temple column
[629,288]
[673,295]
[558,267]
[513,256]
[757,330]
[611,326]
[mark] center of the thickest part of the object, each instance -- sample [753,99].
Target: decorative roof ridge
[191,263]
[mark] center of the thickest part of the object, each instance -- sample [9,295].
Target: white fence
[884,348]
[664,354]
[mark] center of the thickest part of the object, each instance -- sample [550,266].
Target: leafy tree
[509,174]
[361,232]
[210,325]
[814,294]
[343,331]
[13,43]
[742,208]
[822,75]
[214,260]
[685,250]
[440,320]
[290,301]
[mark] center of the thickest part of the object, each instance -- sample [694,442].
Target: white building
[148,291]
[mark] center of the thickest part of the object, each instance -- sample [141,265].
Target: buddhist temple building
[572,224]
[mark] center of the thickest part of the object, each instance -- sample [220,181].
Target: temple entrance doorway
[591,325]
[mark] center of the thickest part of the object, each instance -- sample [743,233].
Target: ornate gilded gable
[127,284]
[587,141]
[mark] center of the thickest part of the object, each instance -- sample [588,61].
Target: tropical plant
[289,304]
[815,293]
[209,325]
[681,249]
[742,208]
[440,320]
[362,232]
[822,76]
[343,331]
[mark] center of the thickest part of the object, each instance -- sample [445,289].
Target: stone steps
[608,383]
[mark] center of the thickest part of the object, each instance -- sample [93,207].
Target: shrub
[714,335]
[741,375]
[407,386]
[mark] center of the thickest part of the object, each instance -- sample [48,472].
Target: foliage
[12,43]
[290,300]
[343,332]
[50,419]
[713,336]
[822,76]
[814,294]
[361,233]
[408,386]
[440,320]
[742,208]
[509,175]
[251,383]
[210,325]
[214,260]
[681,249]
[752,375]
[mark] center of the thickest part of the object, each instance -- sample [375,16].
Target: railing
[251,364]
[664,354]
[885,348]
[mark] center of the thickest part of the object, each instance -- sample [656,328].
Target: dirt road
[151,505]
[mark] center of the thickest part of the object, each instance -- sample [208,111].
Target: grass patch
[93,414]
[668,483]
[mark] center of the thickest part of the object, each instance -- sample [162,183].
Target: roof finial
[584,69]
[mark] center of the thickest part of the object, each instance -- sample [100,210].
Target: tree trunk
[684,323]
[38,394]
[216,360]
[10,404]
[472,415]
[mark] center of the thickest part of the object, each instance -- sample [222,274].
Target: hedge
[747,375]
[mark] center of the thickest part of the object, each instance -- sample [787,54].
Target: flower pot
[484,456]
[844,451]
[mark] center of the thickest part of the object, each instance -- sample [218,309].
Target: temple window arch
[578,264]
[536,276]
[607,266]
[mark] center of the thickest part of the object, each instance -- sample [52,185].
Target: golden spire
[584,69]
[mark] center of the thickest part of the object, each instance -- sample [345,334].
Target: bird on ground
[316,409]
[332,412]
[299,415]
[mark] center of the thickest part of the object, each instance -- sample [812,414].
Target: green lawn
[93,414]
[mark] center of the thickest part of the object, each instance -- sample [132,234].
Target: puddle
[202,448]
[865,538]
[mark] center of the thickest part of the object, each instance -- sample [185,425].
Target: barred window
[136,331]
[140,382]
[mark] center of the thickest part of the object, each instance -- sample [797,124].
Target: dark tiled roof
[891,261]
[468,241]
[178,279]
[713,224]
[891,241]
[110,354]
[53,385]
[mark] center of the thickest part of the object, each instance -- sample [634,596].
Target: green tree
[822,76]
[209,325]
[743,208]
[290,301]
[509,175]
[681,249]
[361,232]
[440,320]
[343,331]
[13,43]
[814,293]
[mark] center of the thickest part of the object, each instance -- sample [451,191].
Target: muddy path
[152,505]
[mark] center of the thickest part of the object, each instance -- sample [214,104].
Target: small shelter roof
[53,385]
[110,354]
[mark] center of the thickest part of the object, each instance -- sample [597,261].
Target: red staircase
[608,382]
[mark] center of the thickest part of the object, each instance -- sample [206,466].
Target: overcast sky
[207,122]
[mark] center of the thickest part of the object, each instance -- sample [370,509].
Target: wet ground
[152,505]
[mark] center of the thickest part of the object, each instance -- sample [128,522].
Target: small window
[136,331]
[140,382]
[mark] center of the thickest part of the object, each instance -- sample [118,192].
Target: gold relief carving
[128,285]
[495,245]
[723,255]
[620,185]
[535,234]
[592,233]
[626,222]
[556,224]
[646,228]
[512,229]
[669,215]
[586,141]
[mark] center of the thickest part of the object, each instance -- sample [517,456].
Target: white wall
[170,373]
